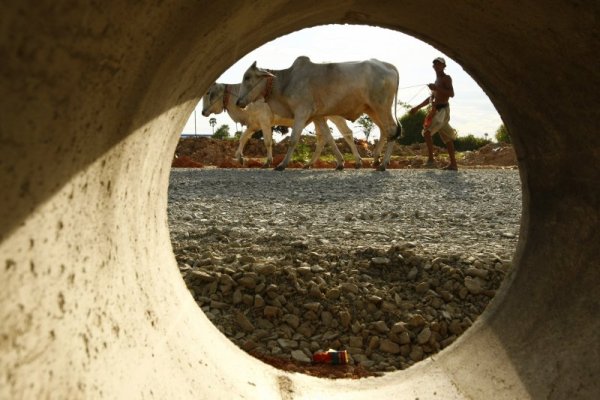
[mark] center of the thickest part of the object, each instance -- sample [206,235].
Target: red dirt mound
[200,152]
[186,162]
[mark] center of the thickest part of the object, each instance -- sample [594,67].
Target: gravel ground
[391,266]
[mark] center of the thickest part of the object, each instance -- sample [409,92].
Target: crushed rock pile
[391,267]
[388,308]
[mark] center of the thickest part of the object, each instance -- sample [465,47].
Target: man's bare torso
[445,91]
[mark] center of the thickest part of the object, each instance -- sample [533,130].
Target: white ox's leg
[391,132]
[383,129]
[300,119]
[388,154]
[347,134]
[239,153]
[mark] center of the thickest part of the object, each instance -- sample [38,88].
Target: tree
[502,135]
[222,132]
[366,124]
[412,125]
[470,143]
[213,122]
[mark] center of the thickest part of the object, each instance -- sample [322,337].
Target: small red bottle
[331,357]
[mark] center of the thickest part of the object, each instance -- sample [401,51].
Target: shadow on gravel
[391,267]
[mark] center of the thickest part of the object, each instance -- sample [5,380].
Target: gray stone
[381,326]
[299,355]
[271,311]
[201,276]
[416,353]
[350,287]
[473,285]
[287,343]
[387,346]
[243,322]
[424,336]
[292,320]
[380,260]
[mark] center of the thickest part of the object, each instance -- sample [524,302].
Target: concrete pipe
[93,98]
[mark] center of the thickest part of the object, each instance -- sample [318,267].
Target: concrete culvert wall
[93,99]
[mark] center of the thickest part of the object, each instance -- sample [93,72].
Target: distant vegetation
[412,125]
[366,125]
[502,135]
[222,132]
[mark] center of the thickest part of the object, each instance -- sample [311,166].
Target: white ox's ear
[264,72]
[259,71]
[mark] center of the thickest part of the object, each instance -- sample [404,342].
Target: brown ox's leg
[300,119]
[239,153]
[347,134]
[322,127]
[318,148]
[268,139]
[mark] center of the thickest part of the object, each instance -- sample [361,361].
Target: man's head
[439,60]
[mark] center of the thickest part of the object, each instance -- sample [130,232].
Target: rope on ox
[423,86]
[397,101]
[268,87]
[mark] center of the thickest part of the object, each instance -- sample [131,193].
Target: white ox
[308,92]
[258,116]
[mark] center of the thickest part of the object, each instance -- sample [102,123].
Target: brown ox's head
[212,101]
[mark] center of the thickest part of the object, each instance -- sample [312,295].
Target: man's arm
[419,106]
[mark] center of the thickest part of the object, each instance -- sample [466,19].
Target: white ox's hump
[301,60]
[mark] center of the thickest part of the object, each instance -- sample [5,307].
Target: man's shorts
[437,122]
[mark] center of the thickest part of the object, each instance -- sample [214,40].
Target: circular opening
[389,267]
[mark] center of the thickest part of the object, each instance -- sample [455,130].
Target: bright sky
[472,111]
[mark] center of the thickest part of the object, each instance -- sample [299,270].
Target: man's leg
[451,154]
[429,142]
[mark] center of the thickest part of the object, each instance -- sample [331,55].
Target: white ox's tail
[399,134]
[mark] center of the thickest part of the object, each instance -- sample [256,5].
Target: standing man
[439,115]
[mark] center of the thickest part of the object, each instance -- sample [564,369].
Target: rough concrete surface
[92,100]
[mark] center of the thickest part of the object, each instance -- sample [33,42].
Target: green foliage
[222,132]
[366,124]
[302,152]
[502,135]
[469,143]
[412,125]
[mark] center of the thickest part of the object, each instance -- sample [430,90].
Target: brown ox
[258,116]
